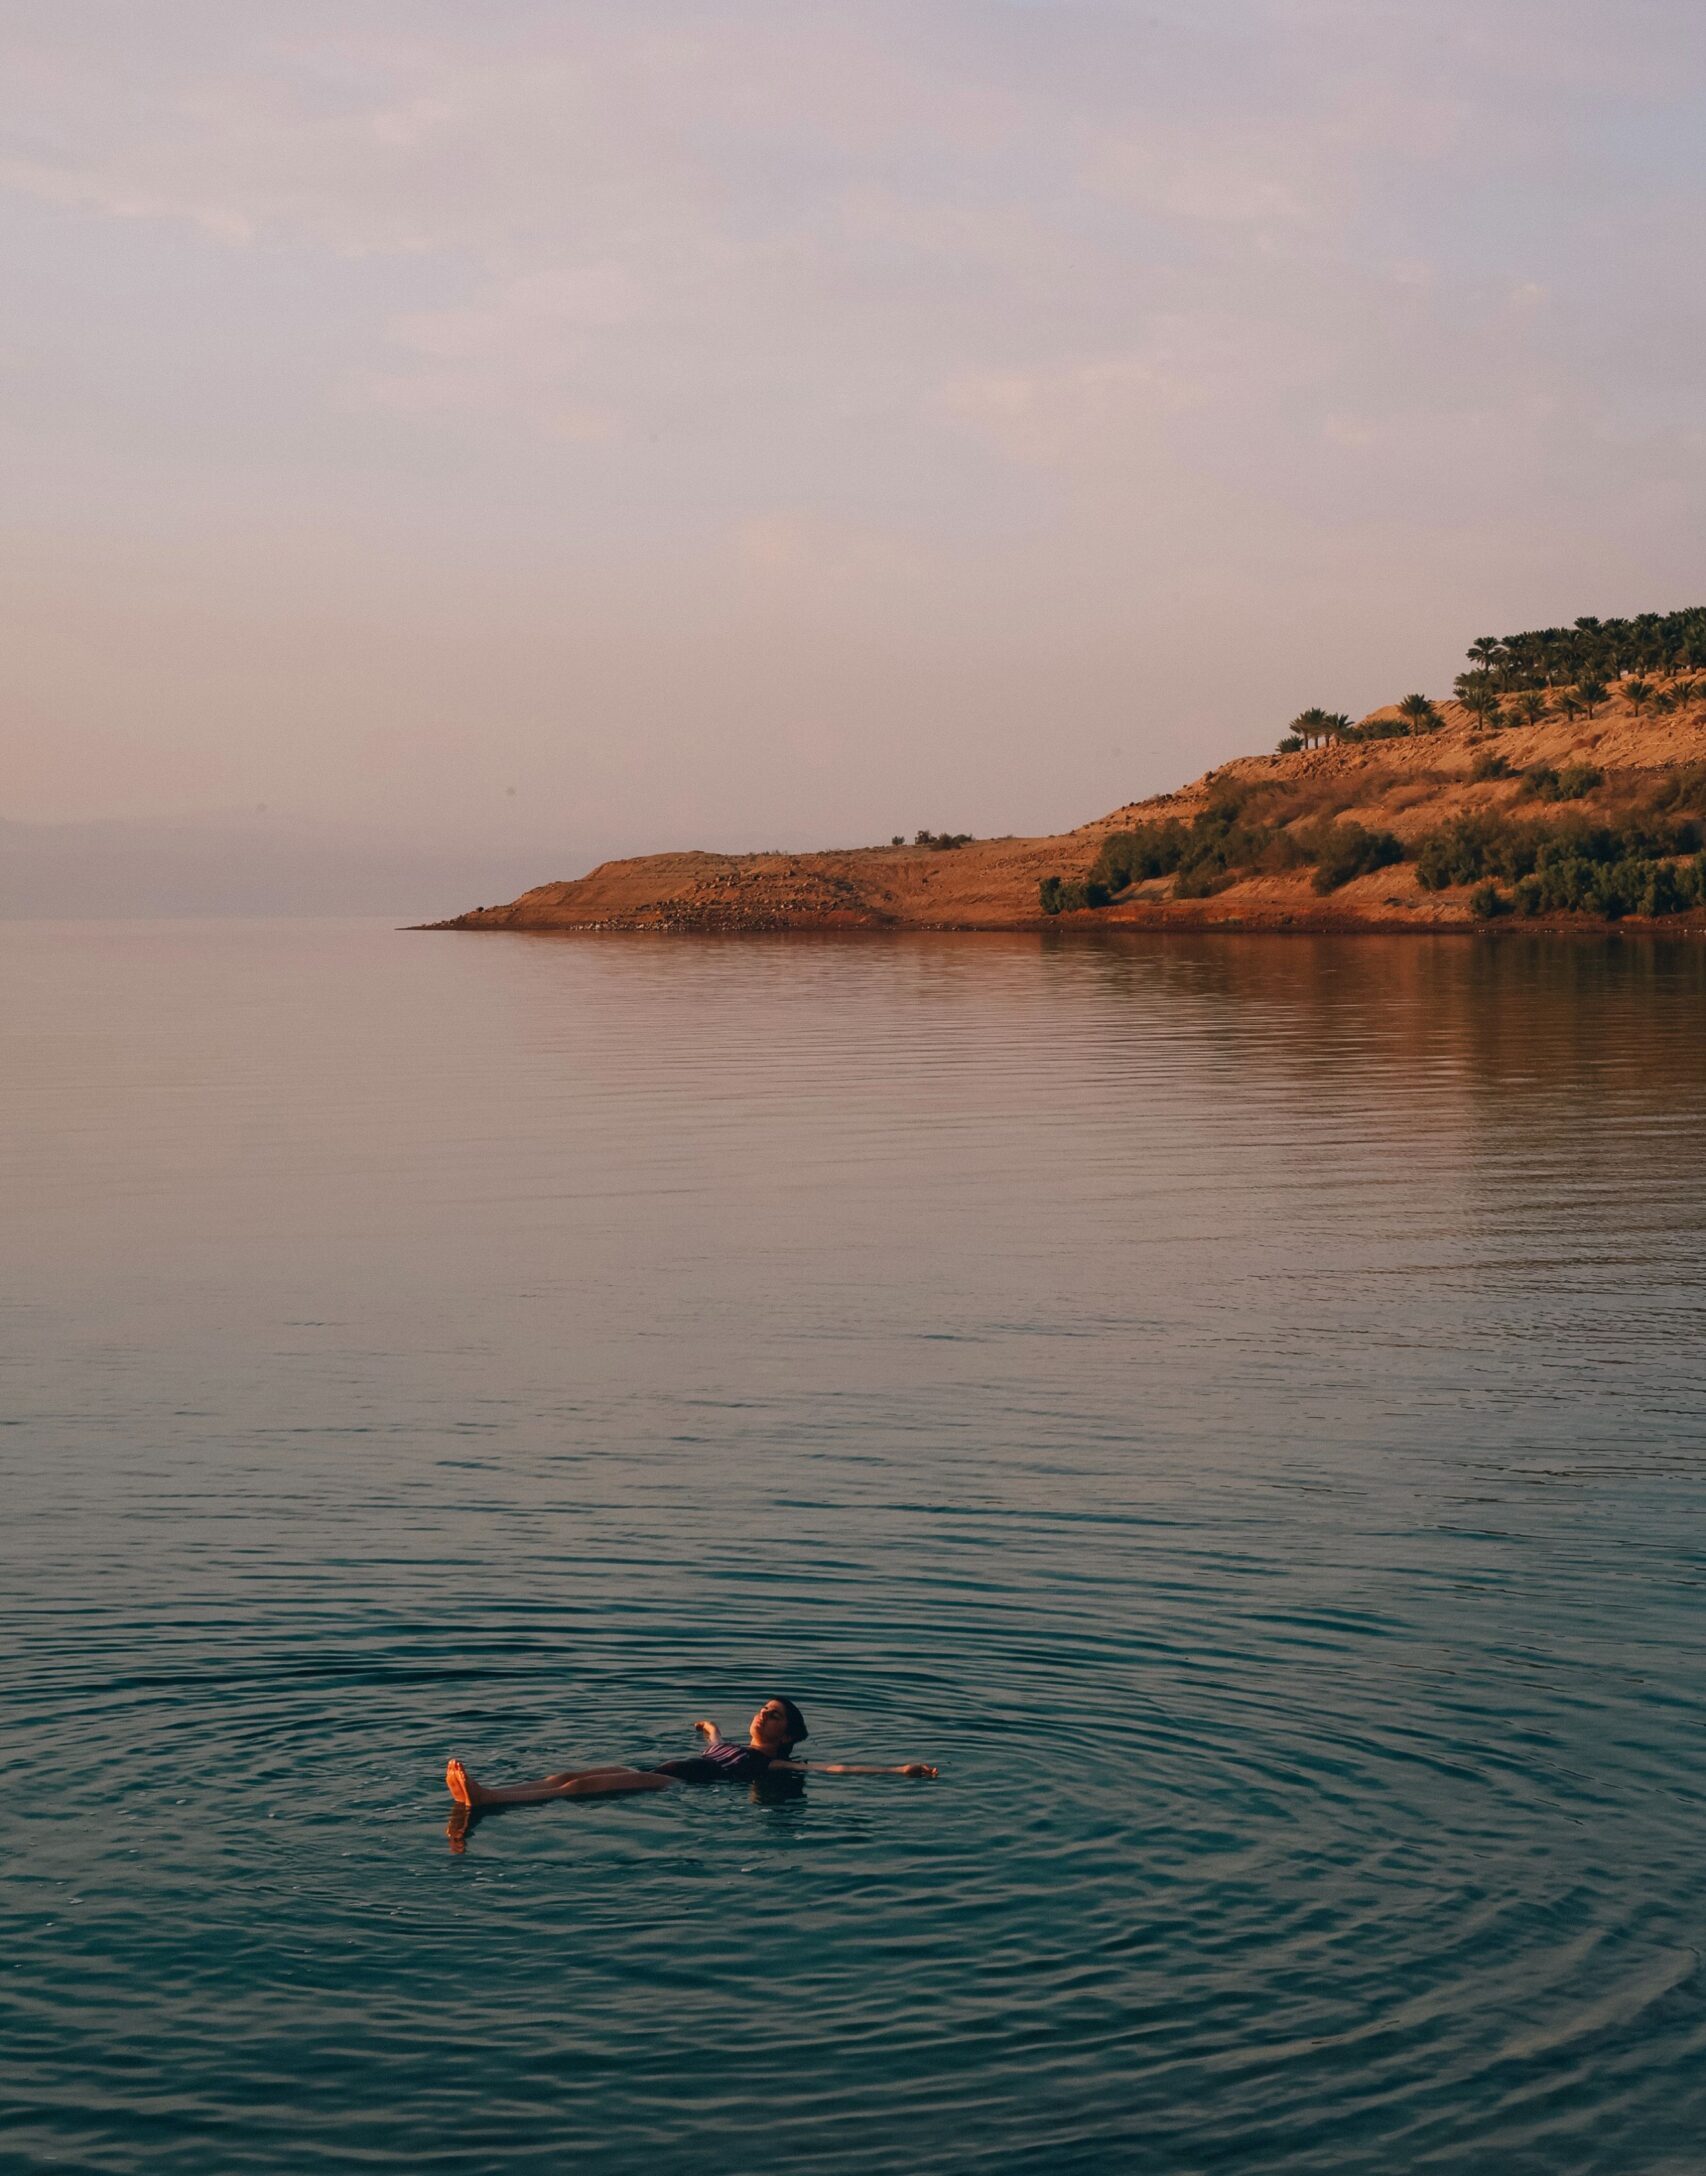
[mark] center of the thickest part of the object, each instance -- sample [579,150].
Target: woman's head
[778,1727]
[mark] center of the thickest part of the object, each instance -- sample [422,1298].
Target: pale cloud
[69,187]
[1087,410]
[1221,182]
[1354,432]
[522,350]
[788,559]
[474,395]
[1196,371]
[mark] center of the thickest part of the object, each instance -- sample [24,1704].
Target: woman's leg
[573,1783]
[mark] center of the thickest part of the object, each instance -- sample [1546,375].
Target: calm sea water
[1239,1405]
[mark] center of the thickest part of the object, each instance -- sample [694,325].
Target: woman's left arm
[849,1768]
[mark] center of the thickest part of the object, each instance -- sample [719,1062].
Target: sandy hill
[1624,761]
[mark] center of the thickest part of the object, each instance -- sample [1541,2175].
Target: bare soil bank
[1408,787]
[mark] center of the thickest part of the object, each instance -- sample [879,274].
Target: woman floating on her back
[771,1738]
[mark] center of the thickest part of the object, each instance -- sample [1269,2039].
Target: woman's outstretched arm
[850,1768]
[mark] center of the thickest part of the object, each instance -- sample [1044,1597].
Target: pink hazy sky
[658,423]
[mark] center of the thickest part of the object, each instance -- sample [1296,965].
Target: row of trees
[1592,649]
[1476,692]
[1416,714]
[1564,671]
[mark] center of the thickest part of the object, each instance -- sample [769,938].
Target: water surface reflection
[1235,1401]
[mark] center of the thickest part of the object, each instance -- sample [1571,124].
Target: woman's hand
[708,1730]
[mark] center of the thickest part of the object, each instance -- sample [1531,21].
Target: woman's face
[770,1725]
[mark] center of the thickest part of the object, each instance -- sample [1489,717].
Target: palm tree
[1530,707]
[1475,693]
[1339,726]
[1310,726]
[1592,694]
[1487,651]
[1418,713]
[1570,704]
[1638,694]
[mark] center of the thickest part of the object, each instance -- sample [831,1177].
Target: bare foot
[459,1827]
[461,1785]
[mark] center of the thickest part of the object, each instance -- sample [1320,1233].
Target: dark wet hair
[791,1715]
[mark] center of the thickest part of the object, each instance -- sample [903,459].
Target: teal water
[1238,1405]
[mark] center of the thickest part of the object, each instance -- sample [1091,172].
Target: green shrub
[1228,839]
[1683,788]
[1568,867]
[1609,889]
[1566,864]
[1489,764]
[1203,855]
[1487,903]
[1287,850]
[1290,744]
[1543,783]
[1348,850]
[1462,851]
[1057,895]
[1668,889]
[1148,850]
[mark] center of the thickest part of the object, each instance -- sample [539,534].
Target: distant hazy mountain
[257,863]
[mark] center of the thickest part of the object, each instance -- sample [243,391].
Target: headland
[1563,783]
